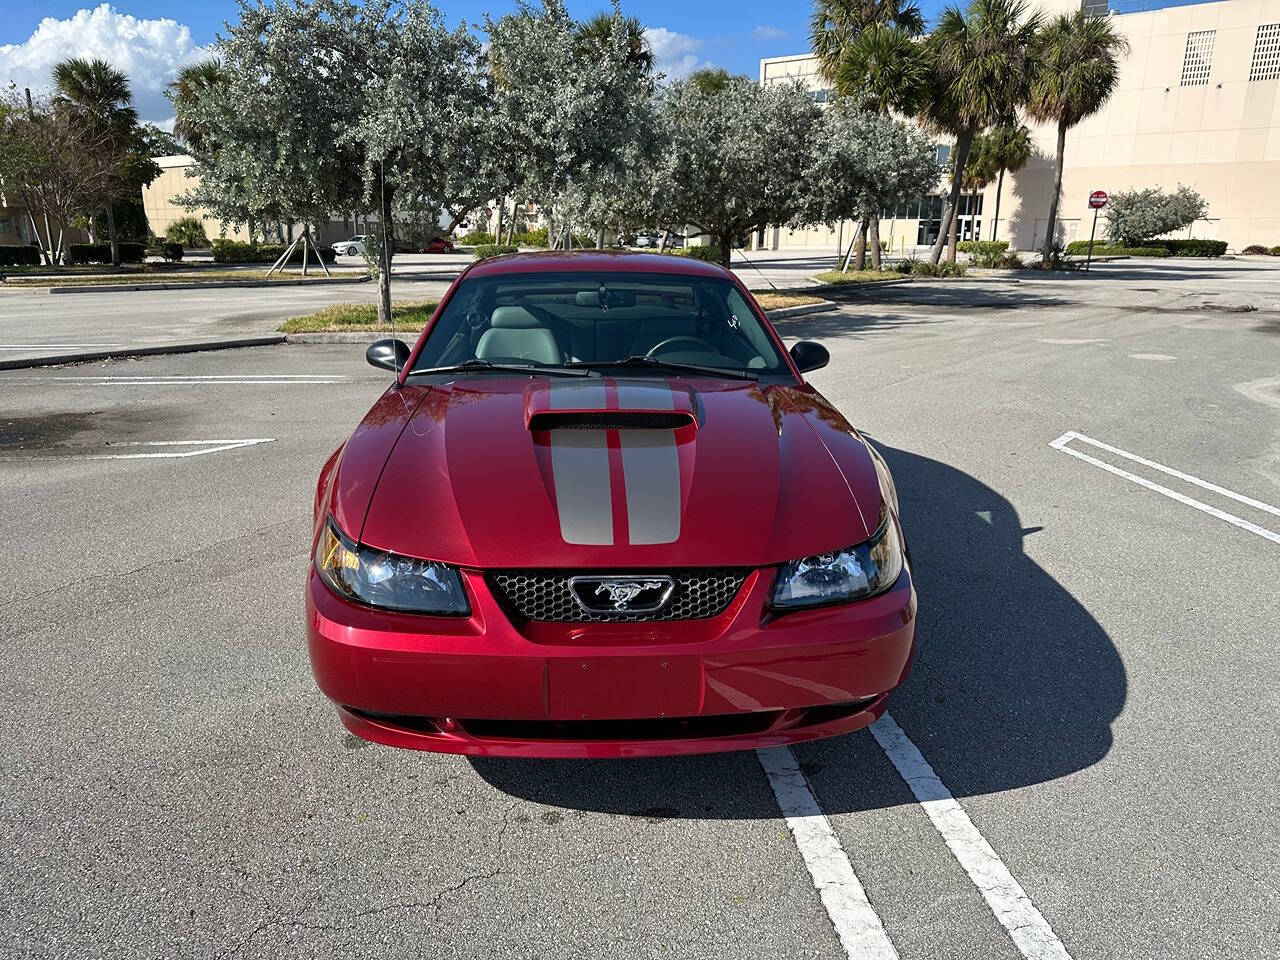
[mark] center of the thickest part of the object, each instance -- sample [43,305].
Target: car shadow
[1015,683]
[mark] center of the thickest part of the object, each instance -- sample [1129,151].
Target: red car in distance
[438,245]
[599,513]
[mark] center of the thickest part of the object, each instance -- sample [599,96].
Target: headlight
[855,573]
[386,580]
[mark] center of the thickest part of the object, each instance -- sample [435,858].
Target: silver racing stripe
[580,469]
[651,468]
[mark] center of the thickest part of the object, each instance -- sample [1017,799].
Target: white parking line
[856,923]
[1062,444]
[1027,928]
[206,446]
[51,346]
[167,380]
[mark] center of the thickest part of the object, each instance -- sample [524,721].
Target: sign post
[1097,200]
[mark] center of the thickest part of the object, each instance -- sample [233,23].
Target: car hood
[497,472]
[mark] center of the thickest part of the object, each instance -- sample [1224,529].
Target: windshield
[598,318]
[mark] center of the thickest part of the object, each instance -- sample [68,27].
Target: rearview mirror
[810,355]
[390,354]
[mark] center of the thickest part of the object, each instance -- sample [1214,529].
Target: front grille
[609,420]
[544,595]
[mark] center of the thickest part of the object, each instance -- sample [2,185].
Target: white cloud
[677,54]
[768,33]
[150,51]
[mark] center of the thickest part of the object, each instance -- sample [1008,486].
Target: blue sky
[151,39]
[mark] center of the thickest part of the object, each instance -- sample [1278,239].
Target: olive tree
[326,105]
[1137,215]
[864,163]
[573,107]
[735,156]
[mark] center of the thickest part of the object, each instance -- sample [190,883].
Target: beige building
[1196,104]
[160,204]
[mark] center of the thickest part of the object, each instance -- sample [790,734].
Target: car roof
[590,261]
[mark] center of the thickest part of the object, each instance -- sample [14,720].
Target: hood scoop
[610,420]
[609,404]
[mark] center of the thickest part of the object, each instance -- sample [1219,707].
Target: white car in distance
[354,247]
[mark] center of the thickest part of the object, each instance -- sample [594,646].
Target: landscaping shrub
[172,252]
[709,254]
[1257,249]
[923,268]
[1080,248]
[187,231]
[982,246]
[486,250]
[237,251]
[1191,248]
[531,238]
[1134,215]
[1275,251]
[476,238]
[19,257]
[130,252]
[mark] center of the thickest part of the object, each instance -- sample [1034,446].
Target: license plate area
[624,688]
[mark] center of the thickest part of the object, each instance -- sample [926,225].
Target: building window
[1198,57]
[6,225]
[1266,53]
[944,154]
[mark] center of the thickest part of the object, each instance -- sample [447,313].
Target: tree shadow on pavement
[959,294]
[1015,683]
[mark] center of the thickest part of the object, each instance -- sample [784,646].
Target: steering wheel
[660,347]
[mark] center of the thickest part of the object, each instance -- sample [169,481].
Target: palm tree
[597,32]
[835,24]
[99,95]
[1004,148]
[1078,63]
[882,70]
[982,67]
[192,81]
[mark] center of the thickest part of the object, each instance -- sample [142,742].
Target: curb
[353,336]
[210,285]
[785,313]
[198,346]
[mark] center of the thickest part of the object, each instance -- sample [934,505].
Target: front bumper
[483,685]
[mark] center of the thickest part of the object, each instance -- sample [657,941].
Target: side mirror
[807,354]
[389,354]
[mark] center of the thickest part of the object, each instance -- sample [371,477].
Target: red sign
[1098,199]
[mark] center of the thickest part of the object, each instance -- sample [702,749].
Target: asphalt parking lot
[1090,478]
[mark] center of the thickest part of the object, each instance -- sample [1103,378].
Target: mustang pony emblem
[621,594]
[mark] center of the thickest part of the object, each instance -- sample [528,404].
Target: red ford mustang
[599,513]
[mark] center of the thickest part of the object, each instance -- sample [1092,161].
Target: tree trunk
[963,142]
[384,256]
[726,253]
[995,221]
[600,239]
[1051,236]
[862,244]
[497,226]
[306,246]
[111,236]
[951,239]
[662,244]
[874,240]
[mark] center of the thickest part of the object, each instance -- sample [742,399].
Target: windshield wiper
[477,365]
[638,361]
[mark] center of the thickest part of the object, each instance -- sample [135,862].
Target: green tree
[1134,216]
[882,70]
[712,80]
[734,159]
[1077,65]
[836,24]
[1005,148]
[99,96]
[192,80]
[981,69]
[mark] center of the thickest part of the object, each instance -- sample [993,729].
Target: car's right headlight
[854,573]
[388,580]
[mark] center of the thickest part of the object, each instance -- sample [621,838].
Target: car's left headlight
[388,580]
[854,573]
